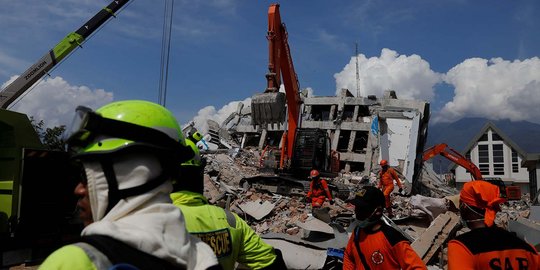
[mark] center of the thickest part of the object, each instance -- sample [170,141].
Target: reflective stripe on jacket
[231,243]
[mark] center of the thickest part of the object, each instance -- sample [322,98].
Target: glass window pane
[484,138]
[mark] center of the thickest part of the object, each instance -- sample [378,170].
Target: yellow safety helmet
[125,124]
[197,136]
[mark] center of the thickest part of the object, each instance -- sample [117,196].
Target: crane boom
[57,54]
[454,156]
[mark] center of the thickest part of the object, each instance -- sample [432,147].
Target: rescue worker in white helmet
[231,238]
[128,152]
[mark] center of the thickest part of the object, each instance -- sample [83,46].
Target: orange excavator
[303,149]
[269,107]
[511,192]
[454,156]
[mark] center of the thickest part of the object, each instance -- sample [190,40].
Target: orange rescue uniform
[491,248]
[386,182]
[385,248]
[318,192]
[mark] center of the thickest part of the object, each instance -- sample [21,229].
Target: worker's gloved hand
[332,202]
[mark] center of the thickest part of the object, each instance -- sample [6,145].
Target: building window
[468,155]
[498,159]
[495,137]
[515,163]
[484,138]
[483,158]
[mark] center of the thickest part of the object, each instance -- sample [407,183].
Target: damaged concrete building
[362,130]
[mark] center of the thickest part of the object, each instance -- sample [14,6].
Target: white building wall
[520,178]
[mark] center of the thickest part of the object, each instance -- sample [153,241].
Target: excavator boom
[56,54]
[269,107]
[454,156]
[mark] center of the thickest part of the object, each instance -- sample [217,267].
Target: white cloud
[410,76]
[54,100]
[210,113]
[494,89]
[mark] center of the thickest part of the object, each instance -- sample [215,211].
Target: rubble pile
[233,165]
[429,220]
[512,210]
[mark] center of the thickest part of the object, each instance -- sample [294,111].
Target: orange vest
[491,248]
[385,248]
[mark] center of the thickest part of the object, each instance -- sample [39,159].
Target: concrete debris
[430,242]
[257,209]
[299,256]
[315,225]
[285,220]
[526,229]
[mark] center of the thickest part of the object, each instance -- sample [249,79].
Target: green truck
[37,205]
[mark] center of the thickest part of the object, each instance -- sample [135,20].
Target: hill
[458,135]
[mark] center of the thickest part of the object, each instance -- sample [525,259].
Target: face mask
[464,221]
[368,221]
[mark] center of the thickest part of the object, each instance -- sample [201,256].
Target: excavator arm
[57,54]
[454,156]
[269,107]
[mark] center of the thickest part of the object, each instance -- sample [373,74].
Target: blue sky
[467,58]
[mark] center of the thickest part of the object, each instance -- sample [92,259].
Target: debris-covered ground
[427,220]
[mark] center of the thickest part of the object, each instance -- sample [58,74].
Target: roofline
[531,160]
[483,130]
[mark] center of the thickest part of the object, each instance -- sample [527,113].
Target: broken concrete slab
[339,240]
[257,209]
[526,230]
[430,242]
[313,224]
[299,256]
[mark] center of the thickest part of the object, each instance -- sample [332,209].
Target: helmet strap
[112,183]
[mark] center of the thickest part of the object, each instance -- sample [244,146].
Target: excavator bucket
[268,108]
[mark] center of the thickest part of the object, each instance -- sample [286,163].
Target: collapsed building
[362,131]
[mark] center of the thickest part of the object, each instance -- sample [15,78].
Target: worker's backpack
[109,253]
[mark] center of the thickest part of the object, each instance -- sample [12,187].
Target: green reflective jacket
[196,160]
[228,235]
[67,258]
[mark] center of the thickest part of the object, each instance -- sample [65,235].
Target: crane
[269,107]
[54,56]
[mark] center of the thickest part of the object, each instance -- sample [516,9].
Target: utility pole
[357,73]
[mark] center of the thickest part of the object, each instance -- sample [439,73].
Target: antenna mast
[357,73]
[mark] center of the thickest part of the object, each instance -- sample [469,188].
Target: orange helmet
[314,173]
[384,162]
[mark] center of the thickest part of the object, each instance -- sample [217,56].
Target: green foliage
[50,137]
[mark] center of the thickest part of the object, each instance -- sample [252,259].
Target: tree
[50,137]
